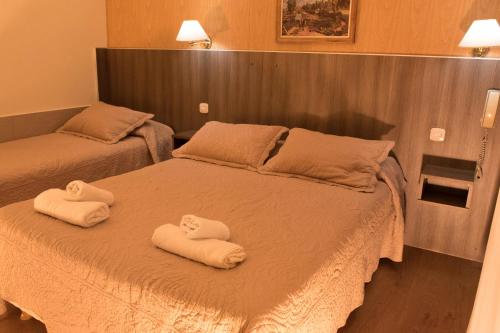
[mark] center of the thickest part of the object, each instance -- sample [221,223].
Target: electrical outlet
[204,108]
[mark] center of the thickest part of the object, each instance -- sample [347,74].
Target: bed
[311,248]
[31,165]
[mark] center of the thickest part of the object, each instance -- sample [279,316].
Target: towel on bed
[85,214]
[211,252]
[200,228]
[81,191]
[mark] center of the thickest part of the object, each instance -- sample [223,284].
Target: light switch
[204,108]
[437,134]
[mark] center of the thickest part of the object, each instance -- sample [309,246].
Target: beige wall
[428,27]
[486,314]
[47,60]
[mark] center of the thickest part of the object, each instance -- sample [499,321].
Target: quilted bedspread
[32,165]
[311,248]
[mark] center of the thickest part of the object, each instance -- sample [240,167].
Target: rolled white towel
[211,252]
[80,191]
[85,214]
[200,228]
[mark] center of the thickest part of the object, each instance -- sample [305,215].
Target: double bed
[310,249]
[31,165]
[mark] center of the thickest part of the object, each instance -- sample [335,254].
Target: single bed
[32,165]
[311,248]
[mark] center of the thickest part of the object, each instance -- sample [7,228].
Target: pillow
[104,123]
[330,159]
[237,145]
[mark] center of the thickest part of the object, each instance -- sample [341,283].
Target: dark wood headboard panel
[374,97]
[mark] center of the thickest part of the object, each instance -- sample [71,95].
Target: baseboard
[478,260]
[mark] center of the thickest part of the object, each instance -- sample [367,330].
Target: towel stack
[81,204]
[200,239]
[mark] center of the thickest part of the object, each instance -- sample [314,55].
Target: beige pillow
[330,159]
[105,123]
[237,145]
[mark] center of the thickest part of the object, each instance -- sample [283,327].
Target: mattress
[311,247]
[32,165]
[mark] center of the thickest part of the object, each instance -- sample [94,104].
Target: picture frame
[316,20]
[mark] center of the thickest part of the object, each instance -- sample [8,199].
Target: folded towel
[84,214]
[81,191]
[199,228]
[212,252]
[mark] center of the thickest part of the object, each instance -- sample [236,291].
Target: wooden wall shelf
[447,181]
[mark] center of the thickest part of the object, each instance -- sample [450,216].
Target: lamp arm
[207,43]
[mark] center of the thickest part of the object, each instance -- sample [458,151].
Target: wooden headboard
[373,97]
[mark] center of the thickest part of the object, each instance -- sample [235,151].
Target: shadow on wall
[346,123]
[360,125]
[478,10]
[216,21]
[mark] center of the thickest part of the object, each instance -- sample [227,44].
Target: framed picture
[316,20]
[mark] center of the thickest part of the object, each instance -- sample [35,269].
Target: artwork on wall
[316,20]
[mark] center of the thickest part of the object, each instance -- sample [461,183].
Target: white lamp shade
[191,31]
[482,33]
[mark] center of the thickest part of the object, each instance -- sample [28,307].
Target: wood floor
[428,292]
[11,323]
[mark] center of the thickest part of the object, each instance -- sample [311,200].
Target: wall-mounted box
[447,181]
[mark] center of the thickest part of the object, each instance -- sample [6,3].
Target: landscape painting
[331,20]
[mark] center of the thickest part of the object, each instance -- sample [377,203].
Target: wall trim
[313,52]
[19,126]
[70,107]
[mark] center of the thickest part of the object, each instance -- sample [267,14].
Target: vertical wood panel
[428,27]
[373,97]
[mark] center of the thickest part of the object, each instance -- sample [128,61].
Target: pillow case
[237,145]
[330,159]
[104,123]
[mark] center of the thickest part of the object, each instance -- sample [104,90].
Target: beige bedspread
[32,165]
[311,247]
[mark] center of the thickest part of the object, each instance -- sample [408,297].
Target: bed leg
[24,316]
[3,307]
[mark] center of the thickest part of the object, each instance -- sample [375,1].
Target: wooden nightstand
[181,138]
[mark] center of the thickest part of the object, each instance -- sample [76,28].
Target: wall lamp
[481,35]
[192,32]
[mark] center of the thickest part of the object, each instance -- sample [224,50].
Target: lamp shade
[191,31]
[482,33]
